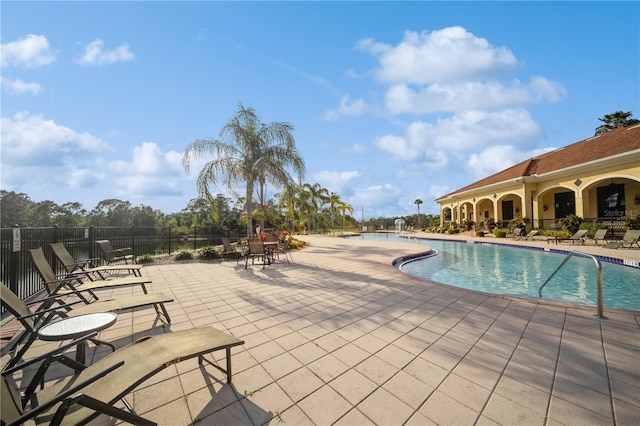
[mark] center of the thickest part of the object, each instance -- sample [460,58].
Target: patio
[342,337]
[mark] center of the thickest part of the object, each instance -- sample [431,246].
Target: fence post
[169,240]
[91,237]
[14,264]
[133,243]
[195,236]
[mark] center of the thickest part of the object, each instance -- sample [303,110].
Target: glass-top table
[75,327]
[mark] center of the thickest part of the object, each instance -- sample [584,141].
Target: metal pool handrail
[598,279]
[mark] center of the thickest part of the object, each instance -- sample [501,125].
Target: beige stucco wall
[533,197]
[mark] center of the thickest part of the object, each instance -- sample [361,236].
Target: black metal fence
[18,273]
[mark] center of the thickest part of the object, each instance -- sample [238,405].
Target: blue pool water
[501,269]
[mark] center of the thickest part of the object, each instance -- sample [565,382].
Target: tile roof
[617,141]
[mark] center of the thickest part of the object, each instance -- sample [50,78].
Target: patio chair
[601,235]
[111,255]
[517,234]
[86,267]
[257,250]
[230,251]
[94,390]
[284,249]
[531,234]
[52,307]
[631,238]
[72,283]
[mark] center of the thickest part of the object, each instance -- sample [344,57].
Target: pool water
[501,269]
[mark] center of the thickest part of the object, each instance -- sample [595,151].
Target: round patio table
[75,327]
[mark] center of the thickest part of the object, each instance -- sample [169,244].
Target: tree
[333,200]
[617,119]
[315,196]
[417,203]
[344,208]
[248,152]
[15,209]
[111,212]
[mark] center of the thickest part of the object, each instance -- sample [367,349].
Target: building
[596,179]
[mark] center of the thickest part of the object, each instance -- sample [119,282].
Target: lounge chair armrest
[66,394]
[61,305]
[124,251]
[50,355]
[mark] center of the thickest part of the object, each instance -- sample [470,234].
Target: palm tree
[248,152]
[417,203]
[333,200]
[345,207]
[316,196]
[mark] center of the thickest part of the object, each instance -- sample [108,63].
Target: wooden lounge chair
[71,283]
[111,255]
[93,390]
[52,307]
[601,235]
[631,238]
[86,267]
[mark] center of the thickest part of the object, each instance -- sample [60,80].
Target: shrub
[500,233]
[208,253]
[453,231]
[479,233]
[561,235]
[469,224]
[592,228]
[519,222]
[183,255]
[571,223]
[145,258]
[632,222]
[296,244]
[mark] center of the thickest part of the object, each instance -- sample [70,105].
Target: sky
[391,101]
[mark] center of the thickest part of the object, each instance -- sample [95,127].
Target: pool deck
[342,337]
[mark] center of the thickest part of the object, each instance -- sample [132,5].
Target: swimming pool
[501,269]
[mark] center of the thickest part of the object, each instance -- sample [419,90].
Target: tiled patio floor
[342,337]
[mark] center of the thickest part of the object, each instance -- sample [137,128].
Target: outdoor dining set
[266,249]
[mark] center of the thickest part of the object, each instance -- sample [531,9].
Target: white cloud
[497,158]
[450,54]
[376,199]
[346,108]
[94,55]
[150,173]
[31,51]
[436,191]
[85,178]
[465,96]
[19,87]
[398,146]
[149,160]
[32,140]
[354,149]
[339,182]
[424,141]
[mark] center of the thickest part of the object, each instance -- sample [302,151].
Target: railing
[599,280]
[18,273]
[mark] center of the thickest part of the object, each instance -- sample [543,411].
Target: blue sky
[391,101]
